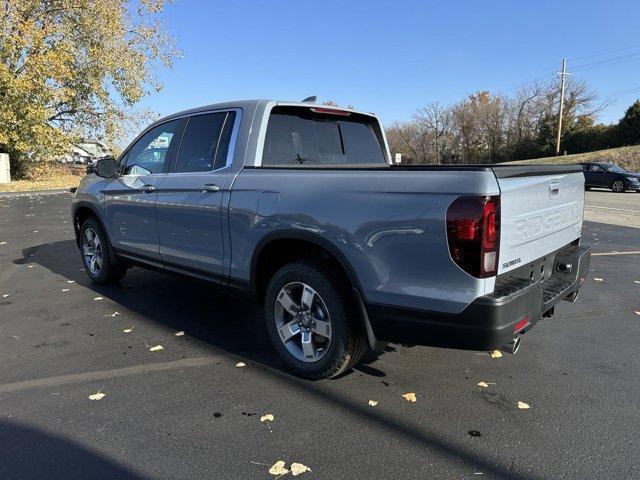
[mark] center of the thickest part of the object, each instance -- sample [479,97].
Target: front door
[130,199]
[189,201]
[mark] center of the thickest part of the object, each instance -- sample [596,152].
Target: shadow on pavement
[235,325]
[28,453]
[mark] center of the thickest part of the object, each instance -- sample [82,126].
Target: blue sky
[392,57]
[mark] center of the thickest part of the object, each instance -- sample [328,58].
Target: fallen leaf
[597,279]
[115,313]
[636,281]
[483,384]
[128,330]
[241,364]
[3,243]
[156,348]
[523,406]
[278,468]
[6,295]
[266,418]
[99,298]
[637,312]
[29,266]
[97,396]
[298,468]
[373,403]
[410,397]
[179,334]
[71,281]
[495,353]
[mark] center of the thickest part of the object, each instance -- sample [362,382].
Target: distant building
[85,151]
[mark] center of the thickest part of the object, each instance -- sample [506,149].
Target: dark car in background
[609,175]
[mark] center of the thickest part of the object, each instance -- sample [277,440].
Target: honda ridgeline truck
[299,206]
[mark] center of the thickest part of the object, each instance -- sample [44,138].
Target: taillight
[473,233]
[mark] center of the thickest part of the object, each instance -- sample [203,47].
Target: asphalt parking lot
[187,412]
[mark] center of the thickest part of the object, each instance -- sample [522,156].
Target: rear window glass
[298,137]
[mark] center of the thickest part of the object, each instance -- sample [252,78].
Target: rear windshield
[300,137]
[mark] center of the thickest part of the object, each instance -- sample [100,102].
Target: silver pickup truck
[298,206]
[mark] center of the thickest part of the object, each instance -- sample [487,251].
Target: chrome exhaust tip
[512,347]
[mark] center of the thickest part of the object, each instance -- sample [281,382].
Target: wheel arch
[307,242]
[84,210]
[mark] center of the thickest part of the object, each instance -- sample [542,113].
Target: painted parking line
[108,374]
[605,254]
[611,208]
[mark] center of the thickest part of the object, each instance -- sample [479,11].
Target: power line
[607,62]
[606,52]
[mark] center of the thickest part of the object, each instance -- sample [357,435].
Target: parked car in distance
[609,175]
[299,207]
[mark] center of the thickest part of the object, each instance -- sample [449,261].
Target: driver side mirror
[106,167]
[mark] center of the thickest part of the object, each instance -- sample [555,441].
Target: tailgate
[541,211]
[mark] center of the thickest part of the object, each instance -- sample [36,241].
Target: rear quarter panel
[389,225]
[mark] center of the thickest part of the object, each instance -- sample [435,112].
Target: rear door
[129,201]
[540,213]
[189,201]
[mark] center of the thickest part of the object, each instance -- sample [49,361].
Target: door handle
[209,187]
[148,188]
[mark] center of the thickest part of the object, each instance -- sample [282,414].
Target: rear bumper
[490,321]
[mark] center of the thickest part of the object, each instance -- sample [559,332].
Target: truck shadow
[29,453]
[230,323]
[235,326]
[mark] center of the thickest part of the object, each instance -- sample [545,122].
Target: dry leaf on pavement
[241,364]
[373,403]
[97,396]
[156,348]
[179,334]
[278,468]
[6,295]
[115,313]
[523,406]
[99,298]
[267,418]
[298,468]
[483,384]
[637,312]
[128,330]
[65,289]
[71,281]
[410,397]
[597,279]
[495,354]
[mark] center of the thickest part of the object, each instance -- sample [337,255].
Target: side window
[595,168]
[205,142]
[148,154]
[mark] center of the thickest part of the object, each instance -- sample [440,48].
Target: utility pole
[562,74]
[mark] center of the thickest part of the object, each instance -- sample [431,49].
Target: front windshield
[616,169]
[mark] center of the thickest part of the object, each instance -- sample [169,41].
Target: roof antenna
[310,99]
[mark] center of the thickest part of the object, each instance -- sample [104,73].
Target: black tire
[615,184]
[111,270]
[348,341]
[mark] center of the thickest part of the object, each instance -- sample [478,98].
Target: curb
[35,192]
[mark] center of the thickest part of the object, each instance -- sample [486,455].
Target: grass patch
[47,176]
[626,157]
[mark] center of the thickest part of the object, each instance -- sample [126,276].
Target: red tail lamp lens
[473,234]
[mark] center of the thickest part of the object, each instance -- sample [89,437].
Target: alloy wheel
[303,322]
[92,251]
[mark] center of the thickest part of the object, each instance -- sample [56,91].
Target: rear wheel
[96,256]
[617,186]
[312,322]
